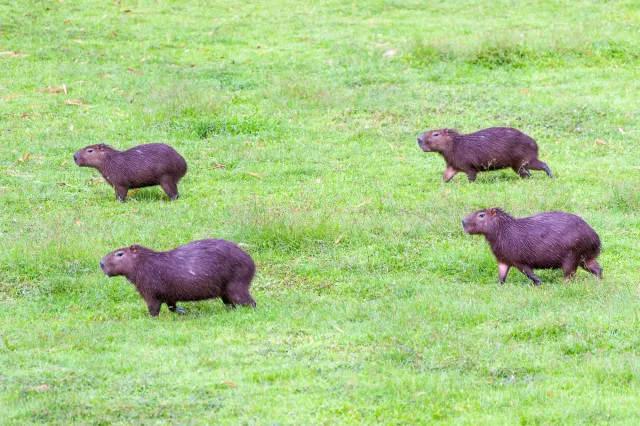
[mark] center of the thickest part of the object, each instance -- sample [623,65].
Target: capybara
[547,240]
[145,165]
[200,270]
[489,149]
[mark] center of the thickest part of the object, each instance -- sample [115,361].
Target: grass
[373,305]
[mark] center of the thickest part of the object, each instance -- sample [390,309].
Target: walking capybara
[489,149]
[145,165]
[547,240]
[204,269]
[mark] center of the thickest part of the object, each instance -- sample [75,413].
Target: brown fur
[489,149]
[145,165]
[200,270]
[547,240]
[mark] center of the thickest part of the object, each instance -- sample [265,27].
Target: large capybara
[204,269]
[489,149]
[547,240]
[145,165]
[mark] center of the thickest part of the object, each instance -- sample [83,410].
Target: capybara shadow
[494,148]
[200,270]
[144,165]
[549,240]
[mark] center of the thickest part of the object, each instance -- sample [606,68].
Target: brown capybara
[200,270]
[489,149]
[547,240]
[145,165]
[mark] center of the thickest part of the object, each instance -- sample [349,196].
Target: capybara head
[92,155]
[483,221]
[435,140]
[120,262]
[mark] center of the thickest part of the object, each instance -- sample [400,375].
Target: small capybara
[489,149]
[547,240]
[200,270]
[145,165]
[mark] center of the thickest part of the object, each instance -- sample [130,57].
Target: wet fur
[200,270]
[489,149]
[139,167]
[545,241]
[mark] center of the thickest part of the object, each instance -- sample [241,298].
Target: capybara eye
[436,134]
[482,215]
[89,150]
[119,254]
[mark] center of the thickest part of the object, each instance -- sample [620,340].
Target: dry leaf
[4,188]
[525,91]
[56,89]
[67,21]
[39,388]
[220,166]
[14,96]
[77,222]
[75,40]
[24,158]
[363,204]
[255,175]
[76,102]
[381,44]
[600,141]
[390,53]
[339,329]
[621,131]
[136,72]
[61,184]
[63,163]
[119,114]
[128,11]
[14,54]
[318,180]
[94,180]
[335,243]
[133,191]
[229,383]
[25,115]
[115,33]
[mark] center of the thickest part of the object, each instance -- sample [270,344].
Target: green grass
[373,305]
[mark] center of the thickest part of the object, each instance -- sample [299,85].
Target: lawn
[299,121]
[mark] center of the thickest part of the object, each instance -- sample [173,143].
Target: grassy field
[298,121]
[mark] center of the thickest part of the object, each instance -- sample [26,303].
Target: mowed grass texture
[298,122]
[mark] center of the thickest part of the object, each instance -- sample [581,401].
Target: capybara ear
[445,131]
[493,211]
[100,147]
[134,248]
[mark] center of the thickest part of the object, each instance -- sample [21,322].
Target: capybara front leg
[522,171]
[471,175]
[529,273]
[175,308]
[593,267]
[170,187]
[449,173]
[539,165]
[154,307]
[121,193]
[503,271]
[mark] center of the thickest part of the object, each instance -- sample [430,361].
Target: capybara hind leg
[523,171]
[175,308]
[593,267]
[170,187]
[529,273]
[471,175]
[503,271]
[539,165]
[240,297]
[121,193]
[154,307]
